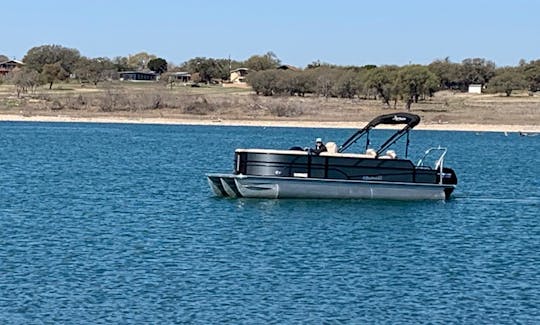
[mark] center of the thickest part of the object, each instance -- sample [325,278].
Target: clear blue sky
[299,32]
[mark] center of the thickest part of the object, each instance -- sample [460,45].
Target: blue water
[115,224]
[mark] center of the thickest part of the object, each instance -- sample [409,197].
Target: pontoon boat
[336,173]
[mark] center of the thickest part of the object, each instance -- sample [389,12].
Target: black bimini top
[410,121]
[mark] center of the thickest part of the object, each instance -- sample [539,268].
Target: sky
[299,32]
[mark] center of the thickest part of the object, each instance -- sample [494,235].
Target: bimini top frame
[410,121]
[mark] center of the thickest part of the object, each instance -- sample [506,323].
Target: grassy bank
[210,103]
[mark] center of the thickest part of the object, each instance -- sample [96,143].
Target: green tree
[121,64]
[348,84]
[94,70]
[208,68]
[264,82]
[221,68]
[262,62]
[314,65]
[449,73]
[301,83]
[53,72]
[507,80]
[138,61]
[369,67]
[318,64]
[284,82]
[414,81]
[37,57]
[531,73]
[157,65]
[383,81]
[325,79]
[477,71]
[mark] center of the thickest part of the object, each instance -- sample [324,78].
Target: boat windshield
[433,158]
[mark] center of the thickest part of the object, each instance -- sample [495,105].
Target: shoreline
[261,123]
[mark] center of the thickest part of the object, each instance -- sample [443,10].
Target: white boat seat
[345,155]
[390,154]
[331,147]
[371,152]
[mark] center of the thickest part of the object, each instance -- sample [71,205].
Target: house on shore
[238,76]
[9,65]
[137,76]
[180,77]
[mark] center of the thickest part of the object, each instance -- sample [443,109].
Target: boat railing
[431,155]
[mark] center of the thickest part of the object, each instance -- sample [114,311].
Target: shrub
[285,109]
[199,106]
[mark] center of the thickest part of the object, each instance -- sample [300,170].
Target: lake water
[110,223]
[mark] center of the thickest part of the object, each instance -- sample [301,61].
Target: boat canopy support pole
[355,137]
[367,141]
[407,145]
[411,120]
[393,140]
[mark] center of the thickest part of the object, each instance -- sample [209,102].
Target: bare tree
[24,80]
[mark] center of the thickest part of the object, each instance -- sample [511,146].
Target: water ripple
[115,224]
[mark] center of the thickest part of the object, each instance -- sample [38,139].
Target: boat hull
[230,185]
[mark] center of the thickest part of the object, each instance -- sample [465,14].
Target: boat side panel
[282,165]
[263,187]
[273,164]
[425,176]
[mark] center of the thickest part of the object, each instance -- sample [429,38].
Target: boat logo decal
[372,178]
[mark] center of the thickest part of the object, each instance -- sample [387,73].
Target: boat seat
[345,155]
[371,152]
[390,154]
[331,147]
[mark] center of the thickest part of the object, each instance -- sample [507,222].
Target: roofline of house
[142,72]
[13,60]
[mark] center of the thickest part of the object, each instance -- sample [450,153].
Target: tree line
[409,83]
[47,64]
